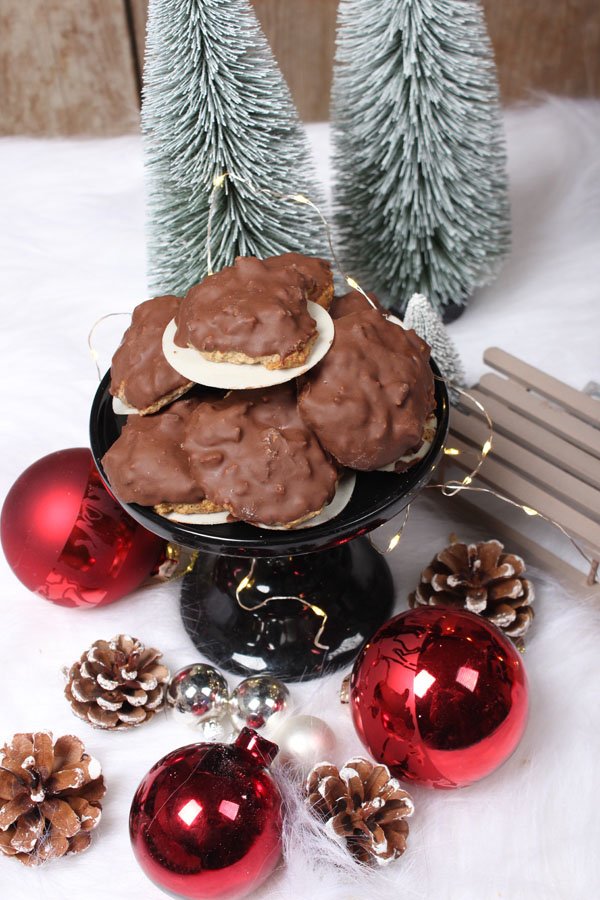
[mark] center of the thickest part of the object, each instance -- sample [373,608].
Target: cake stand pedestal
[292,603]
[294,616]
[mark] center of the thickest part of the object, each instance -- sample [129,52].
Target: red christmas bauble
[66,537]
[206,820]
[439,696]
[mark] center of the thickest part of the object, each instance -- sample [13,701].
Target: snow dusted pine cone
[117,684]
[484,580]
[363,807]
[49,797]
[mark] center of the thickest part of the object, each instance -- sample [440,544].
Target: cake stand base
[295,617]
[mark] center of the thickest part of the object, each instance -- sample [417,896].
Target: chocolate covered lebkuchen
[250,312]
[147,465]
[252,454]
[368,400]
[140,375]
[314,275]
[352,302]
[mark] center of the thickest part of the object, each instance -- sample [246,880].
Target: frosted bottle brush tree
[215,101]
[423,318]
[421,195]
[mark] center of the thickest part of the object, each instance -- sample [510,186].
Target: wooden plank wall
[66,68]
[548,46]
[74,66]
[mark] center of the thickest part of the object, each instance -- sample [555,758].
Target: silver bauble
[303,741]
[257,700]
[201,695]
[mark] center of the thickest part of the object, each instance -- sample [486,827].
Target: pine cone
[363,807]
[482,579]
[117,684]
[49,797]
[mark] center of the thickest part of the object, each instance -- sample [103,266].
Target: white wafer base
[216,518]
[340,501]
[123,409]
[419,454]
[230,376]
[394,319]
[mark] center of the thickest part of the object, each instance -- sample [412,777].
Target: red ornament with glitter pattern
[66,537]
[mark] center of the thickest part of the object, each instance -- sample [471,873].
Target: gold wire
[395,539]
[528,510]
[453,487]
[247,581]
[93,352]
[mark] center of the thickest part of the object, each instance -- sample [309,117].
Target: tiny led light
[451,451]
[394,542]
[244,583]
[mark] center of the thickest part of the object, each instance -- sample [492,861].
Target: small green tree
[423,318]
[421,193]
[215,101]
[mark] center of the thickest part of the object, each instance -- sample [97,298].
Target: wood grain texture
[66,68]
[550,46]
[302,35]
[137,19]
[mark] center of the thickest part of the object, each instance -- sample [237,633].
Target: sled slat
[527,463]
[539,441]
[575,402]
[545,448]
[554,420]
[518,488]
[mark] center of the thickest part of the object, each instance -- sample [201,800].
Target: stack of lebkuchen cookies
[274,455]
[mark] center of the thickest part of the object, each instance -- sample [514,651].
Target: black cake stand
[290,603]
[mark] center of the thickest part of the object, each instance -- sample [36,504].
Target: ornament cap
[259,748]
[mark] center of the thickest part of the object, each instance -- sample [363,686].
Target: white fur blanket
[72,249]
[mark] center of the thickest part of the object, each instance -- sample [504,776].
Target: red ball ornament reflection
[66,537]
[439,696]
[206,820]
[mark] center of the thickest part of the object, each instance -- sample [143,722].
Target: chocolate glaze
[350,303]
[249,308]
[368,399]
[139,364]
[147,465]
[252,453]
[314,273]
